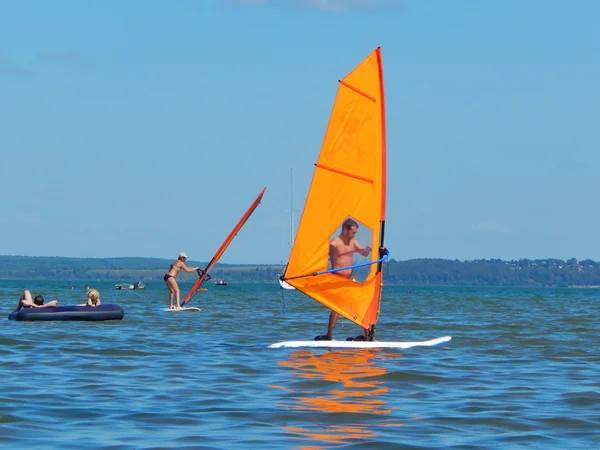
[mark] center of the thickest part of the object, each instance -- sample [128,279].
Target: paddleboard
[184,309]
[360,344]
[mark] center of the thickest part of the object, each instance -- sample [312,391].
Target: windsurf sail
[349,182]
[203,275]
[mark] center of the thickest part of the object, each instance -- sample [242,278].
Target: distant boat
[127,286]
[221,283]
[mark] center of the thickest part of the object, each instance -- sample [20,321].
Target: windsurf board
[360,344]
[184,309]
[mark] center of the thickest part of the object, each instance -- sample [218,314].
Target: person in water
[341,249]
[93,298]
[171,279]
[38,302]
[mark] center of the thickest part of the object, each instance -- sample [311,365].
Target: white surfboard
[184,309]
[360,344]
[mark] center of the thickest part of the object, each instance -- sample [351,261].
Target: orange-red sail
[198,284]
[349,181]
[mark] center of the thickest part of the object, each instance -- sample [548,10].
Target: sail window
[360,236]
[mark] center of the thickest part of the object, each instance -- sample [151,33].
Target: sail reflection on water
[356,373]
[345,381]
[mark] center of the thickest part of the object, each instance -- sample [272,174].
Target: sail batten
[346,174]
[348,184]
[358,91]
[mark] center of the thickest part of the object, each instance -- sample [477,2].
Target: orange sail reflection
[357,388]
[334,434]
[355,370]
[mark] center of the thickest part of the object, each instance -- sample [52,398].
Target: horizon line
[284,263]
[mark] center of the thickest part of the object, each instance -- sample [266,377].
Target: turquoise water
[522,371]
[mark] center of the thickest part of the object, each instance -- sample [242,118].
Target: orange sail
[203,275]
[349,182]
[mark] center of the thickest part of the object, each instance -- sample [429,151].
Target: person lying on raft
[38,302]
[341,249]
[93,298]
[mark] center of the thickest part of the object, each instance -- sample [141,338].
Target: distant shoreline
[414,272]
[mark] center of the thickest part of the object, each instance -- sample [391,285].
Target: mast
[291,207]
[282,283]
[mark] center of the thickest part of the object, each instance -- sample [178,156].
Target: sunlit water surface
[522,371]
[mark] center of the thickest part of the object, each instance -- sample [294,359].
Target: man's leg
[333,317]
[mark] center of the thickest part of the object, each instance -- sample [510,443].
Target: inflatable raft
[102,312]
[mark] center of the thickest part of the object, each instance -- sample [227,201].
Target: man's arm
[29,304]
[364,251]
[332,250]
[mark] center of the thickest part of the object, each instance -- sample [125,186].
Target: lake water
[522,371]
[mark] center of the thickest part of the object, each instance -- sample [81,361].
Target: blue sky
[146,127]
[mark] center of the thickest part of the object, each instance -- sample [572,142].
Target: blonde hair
[93,294]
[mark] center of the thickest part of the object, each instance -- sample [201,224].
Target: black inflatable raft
[102,312]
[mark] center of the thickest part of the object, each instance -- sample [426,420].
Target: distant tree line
[494,272]
[121,269]
[440,272]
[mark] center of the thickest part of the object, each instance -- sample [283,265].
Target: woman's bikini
[167,276]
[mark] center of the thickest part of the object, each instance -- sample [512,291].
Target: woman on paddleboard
[171,278]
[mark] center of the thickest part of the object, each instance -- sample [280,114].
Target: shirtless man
[38,302]
[341,249]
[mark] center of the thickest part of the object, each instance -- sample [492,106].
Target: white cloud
[323,5]
[9,68]
[345,5]
[248,2]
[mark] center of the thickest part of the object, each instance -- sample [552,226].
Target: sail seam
[346,174]
[358,91]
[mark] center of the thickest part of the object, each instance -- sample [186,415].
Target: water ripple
[522,370]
